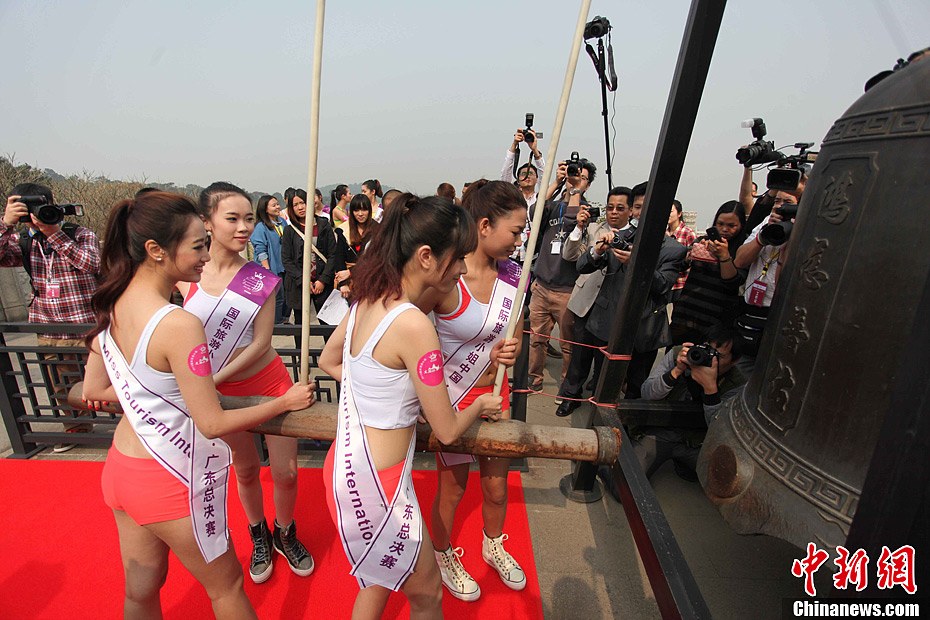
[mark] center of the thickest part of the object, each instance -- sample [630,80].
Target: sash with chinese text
[168,433]
[235,311]
[381,536]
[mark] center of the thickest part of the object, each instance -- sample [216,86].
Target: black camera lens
[701,355]
[49,214]
[775,234]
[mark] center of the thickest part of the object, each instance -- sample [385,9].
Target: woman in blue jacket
[266,239]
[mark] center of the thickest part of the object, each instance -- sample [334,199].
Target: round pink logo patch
[199,361]
[429,368]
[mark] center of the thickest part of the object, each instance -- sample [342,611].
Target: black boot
[261,564]
[286,543]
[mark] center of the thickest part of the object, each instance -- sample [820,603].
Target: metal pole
[516,316]
[694,59]
[311,192]
[602,74]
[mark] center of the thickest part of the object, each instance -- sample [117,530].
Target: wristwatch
[574,192]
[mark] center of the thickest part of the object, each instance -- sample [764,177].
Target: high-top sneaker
[286,543]
[454,576]
[260,565]
[493,552]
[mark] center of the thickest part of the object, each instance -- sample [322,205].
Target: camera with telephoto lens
[47,213]
[759,151]
[526,132]
[596,28]
[712,234]
[702,355]
[778,233]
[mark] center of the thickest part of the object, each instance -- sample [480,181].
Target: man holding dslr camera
[528,176]
[555,277]
[704,373]
[62,260]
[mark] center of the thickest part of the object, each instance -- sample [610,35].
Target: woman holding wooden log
[235,301]
[387,353]
[165,474]
[470,320]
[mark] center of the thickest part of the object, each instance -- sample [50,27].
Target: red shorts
[445,460]
[389,478]
[272,380]
[143,489]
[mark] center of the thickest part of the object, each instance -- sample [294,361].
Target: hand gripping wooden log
[506,438]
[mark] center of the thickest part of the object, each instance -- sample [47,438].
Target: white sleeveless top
[202,304]
[385,397]
[462,324]
[162,383]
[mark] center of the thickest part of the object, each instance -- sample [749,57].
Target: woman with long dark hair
[711,293]
[387,353]
[361,230]
[468,320]
[266,240]
[166,472]
[325,262]
[372,190]
[245,364]
[339,200]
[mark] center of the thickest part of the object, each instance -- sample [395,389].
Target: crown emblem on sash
[254,283]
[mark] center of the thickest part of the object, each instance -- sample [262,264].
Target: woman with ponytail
[339,200]
[469,320]
[245,364]
[387,354]
[165,474]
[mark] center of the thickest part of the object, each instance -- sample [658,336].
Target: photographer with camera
[528,177]
[62,260]
[763,253]
[587,286]
[610,253]
[704,373]
[555,277]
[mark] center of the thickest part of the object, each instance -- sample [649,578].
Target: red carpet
[61,554]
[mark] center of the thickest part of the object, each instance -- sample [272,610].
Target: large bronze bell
[790,455]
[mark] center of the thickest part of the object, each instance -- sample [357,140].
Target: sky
[417,93]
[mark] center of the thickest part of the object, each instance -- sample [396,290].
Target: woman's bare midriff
[266,358]
[388,446]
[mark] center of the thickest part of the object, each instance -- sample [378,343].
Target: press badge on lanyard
[757,289]
[52,285]
[556,247]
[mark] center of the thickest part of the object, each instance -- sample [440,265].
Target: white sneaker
[454,576]
[493,552]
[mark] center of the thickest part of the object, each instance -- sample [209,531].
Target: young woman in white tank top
[465,316]
[158,369]
[420,246]
[253,369]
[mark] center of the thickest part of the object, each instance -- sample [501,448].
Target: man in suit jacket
[588,285]
[654,331]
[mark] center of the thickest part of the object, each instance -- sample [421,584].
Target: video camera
[526,132]
[787,175]
[46,213]
[702,355]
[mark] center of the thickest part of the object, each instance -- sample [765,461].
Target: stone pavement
[585,555]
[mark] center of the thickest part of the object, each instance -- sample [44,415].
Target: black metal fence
[34,399]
